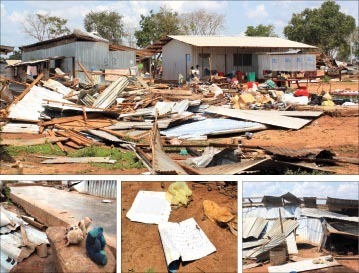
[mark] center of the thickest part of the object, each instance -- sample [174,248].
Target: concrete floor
[72,206]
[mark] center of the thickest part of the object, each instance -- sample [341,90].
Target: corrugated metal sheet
[288,227]
[104,135]
[110,94]
[344,228]
[309,231]
[253,227]
[35,236]
[291,244]
[297,62]
[102,188]
[21,128]
[229,169]
[294,152]
[211,127]
[122,59]
[257,252]
[122,125]
[57,86]
[317,213]
[287,113]
[30,106]
[251,244]
[235,41]
[301,266]
[280,121]
[271,212]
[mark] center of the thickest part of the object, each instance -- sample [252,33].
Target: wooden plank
[31,142]
[88,76]
[68,119]
[58,143]
[62,160]
[175,92]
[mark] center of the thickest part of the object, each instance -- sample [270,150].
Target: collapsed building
[287,223]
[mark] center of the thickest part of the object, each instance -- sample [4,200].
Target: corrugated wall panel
[310,231]
[102,188]
[122,59]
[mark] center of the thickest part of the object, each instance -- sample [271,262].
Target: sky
[238,14]
[344,190]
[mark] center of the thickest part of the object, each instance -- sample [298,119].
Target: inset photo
[179,227]
[300,227]
[58,226]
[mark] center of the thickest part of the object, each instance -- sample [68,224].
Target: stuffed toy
[95,244]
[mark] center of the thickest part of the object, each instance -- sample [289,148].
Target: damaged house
[278,227]
[223,55]
[66,52]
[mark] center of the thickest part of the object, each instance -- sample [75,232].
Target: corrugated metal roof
[211,126]
[288,227]
[235,41]
[21,128]
[252,244]
[258,251]
[309,231]
[297,152]
[104,135]
[317,213]
[58,87]
[279,120]
[30,106]
[253,227]
[271,212]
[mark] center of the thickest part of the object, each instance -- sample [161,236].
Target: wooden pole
[280,219]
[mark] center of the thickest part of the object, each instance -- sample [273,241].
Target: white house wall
[174,59]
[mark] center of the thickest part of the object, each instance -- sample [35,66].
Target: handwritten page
[185,239]
[150,207]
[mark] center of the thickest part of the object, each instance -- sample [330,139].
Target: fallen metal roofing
[229,169]
[63,159]
[299,152]
[271,212]
[310,231]
[345,203]
[123,125]
[110,94]
[20,128]
[291,244]
[349,229]
[288,227]
[252,244]
[236,41]
[317,213]
[30,107]
[306,265]
[57,87]
[259,251]
[280,121]
[104,135]
[253,227]
[211,127]
[275,113]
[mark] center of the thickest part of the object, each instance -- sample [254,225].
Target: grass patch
[150,270]
[43,149]
[124,160]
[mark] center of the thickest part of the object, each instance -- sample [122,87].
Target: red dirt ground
[141,244]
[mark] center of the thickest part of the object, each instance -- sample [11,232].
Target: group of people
[194,73]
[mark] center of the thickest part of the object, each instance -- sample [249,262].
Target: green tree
[16,55]
[202,22]
[261,31]
[325,27]
[157,25]
[108,24]
[43,26]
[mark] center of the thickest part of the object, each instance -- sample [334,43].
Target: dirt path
[141,245]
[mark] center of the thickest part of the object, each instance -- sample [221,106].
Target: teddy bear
[95,244]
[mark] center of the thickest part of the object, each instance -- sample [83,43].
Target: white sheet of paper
[185,239]
[150,207]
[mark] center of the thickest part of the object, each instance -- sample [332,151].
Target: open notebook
[184,240]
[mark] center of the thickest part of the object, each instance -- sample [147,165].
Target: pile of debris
[278,227]
[131,114]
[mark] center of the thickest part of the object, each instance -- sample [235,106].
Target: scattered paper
[150,207]
[185,239]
